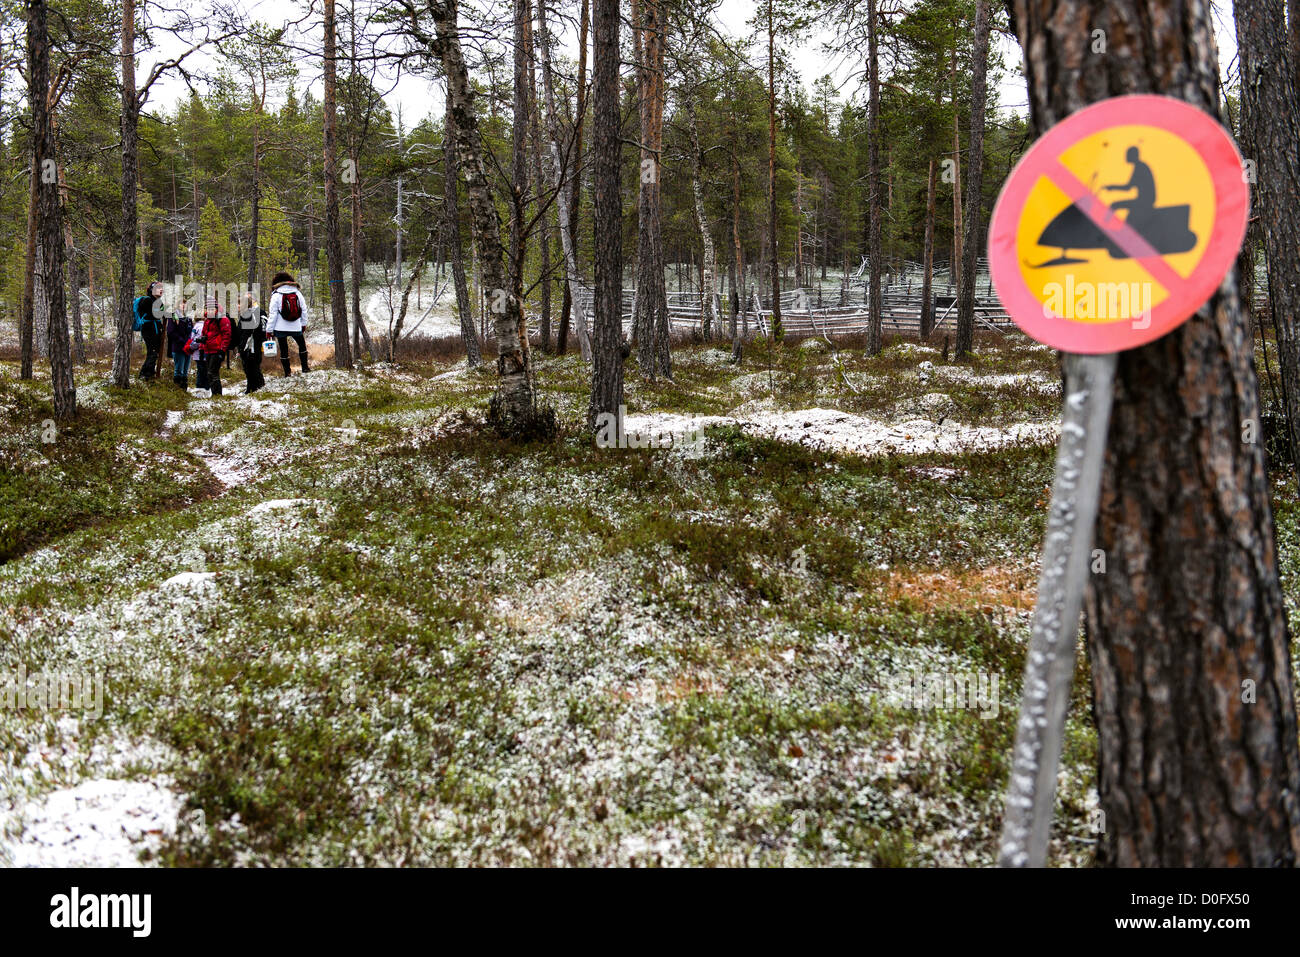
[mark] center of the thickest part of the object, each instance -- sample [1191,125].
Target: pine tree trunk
[778,330]
[974,182]
[607,356]
[927,274]
[1270,122]
[451,209]
[954,265]
[50,210]
[1188,619]
[120,375]
[875,252]
[738,260]
[26,319]
[651,312]
[333,231]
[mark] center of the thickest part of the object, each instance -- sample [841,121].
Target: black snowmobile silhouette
[1164,227]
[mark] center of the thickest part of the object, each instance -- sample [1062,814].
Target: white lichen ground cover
[381,636]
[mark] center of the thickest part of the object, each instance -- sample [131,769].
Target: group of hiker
[207,339]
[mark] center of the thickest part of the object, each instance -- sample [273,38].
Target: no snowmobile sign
[1118,224]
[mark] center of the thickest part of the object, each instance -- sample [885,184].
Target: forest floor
[338,622]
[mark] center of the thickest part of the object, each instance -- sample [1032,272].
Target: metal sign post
[1067,556]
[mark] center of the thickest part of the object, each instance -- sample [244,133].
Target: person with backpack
[250,333]
[148,311]
[191,349]
[288,318]
[214,343]
[179,329]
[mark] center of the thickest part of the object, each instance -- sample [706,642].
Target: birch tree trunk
[451,209]
[1186,630]
[575,162]
[565,187]
[974,181]
[519,156]
[514,401]
[360,331]
[535,174]
[333,238]
[710,307]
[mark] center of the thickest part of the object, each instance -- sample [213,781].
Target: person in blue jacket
[149,320]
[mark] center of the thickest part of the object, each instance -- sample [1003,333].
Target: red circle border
[1231,213]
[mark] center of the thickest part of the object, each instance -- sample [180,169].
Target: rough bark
[120,375]
[607,355]
[333,239]
[875,251]
[1271,126]
[25,317]
[974,181]
[738,260]
[927,275]
[49,210]
[778,330]
[954,264]
[651,305]
[1190,607]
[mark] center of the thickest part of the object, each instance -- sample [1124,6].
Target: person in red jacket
[217,330]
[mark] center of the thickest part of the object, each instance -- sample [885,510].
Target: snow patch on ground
[171,420]
[188,579]
[98,823]
[831,430]
[1023,380]
[229,470]
[281,504]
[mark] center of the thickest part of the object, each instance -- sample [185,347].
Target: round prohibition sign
[1075,274]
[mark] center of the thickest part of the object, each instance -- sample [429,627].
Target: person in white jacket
[287,318]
